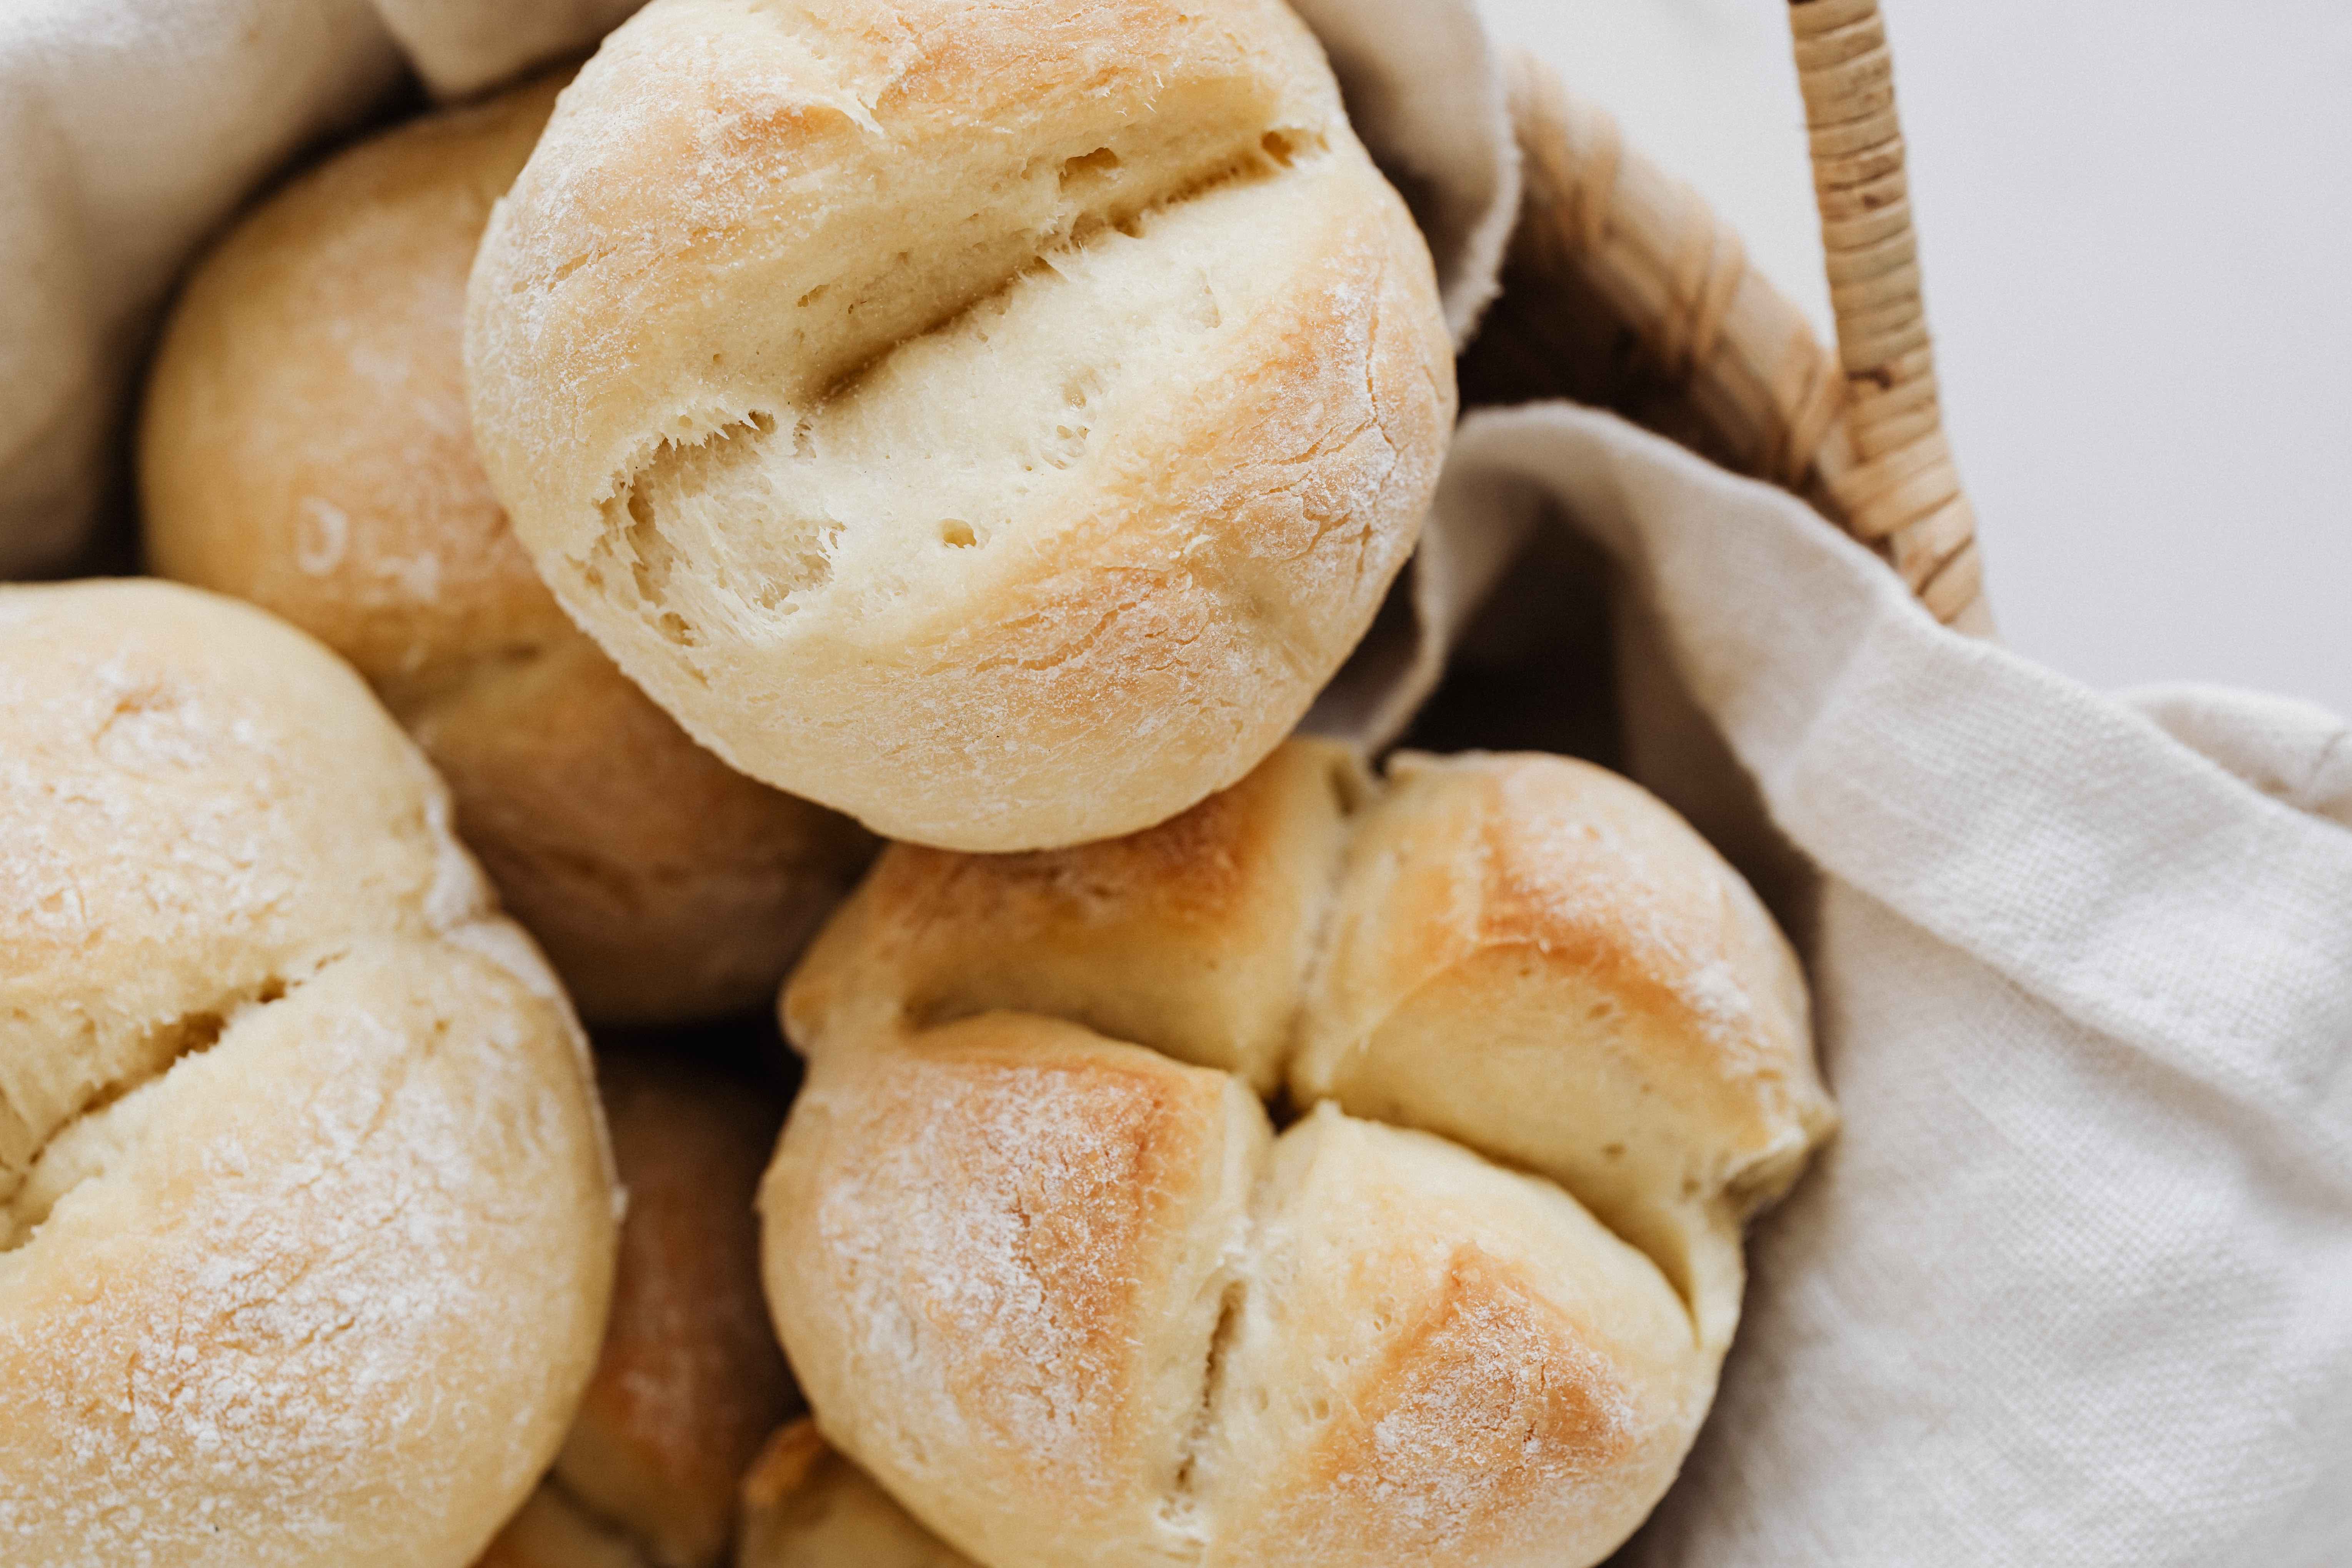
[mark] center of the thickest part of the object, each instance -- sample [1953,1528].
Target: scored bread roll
[305,446]
[995,420]
[690,1380]
[805,1506]
[1046,1269]
[306,1212]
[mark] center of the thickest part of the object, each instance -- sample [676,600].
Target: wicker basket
[1622,291]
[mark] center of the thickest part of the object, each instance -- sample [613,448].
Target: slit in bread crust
[766,487]
[34,1195]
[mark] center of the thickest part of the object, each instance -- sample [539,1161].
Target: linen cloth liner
[2074,1283]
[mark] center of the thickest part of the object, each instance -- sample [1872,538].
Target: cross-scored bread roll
[995,420]
[805,1506]
[306,1215]
[1046,1269]
[690,1380]
[305,445]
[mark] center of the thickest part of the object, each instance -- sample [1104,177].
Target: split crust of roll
[306,1212]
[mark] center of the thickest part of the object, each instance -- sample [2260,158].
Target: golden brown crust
[1401,1351]
[1054,1210]
[1486,1376]
[1192,937]
[1438,1361]
[305,446]
[1644,1036]
[786,1464]
[662,884]
[891,459]
[302,1135]
[689,1380]
[304,443]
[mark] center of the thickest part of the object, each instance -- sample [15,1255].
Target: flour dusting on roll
[996,421]
[306,1212]
[1054,1276]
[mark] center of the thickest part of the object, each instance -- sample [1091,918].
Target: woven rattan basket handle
[1622,290]
[1897,488]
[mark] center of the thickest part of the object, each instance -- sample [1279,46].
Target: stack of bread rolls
[305,445]
[981,424]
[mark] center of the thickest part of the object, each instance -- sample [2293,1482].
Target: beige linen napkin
[2074,1284]
[127,130]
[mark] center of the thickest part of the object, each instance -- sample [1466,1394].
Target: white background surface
[2136,220]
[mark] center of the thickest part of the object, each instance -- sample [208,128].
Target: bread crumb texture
[1049,1269]
[993,420]
[306,1216]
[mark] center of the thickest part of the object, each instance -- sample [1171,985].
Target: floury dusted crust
[306,1214]
[994,421]
[1049,1272]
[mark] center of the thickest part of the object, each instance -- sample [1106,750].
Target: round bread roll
[305,446]
[1047,1270]
[995,420]
[306,1214]
[690,1380]
[805,1506]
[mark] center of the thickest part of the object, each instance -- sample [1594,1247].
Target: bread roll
[1073,1299]
[690,1380]
[306,1214]
[305,446]
[995,420]
[805,1506]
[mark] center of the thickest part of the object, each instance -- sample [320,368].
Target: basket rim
[1855,429]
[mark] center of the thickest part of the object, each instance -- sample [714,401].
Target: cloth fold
[2074,1284]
